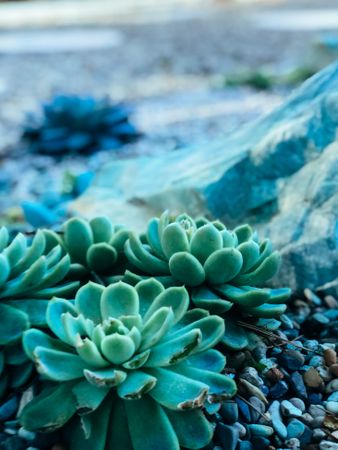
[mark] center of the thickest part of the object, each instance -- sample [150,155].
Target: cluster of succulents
[127,333]
[75,124]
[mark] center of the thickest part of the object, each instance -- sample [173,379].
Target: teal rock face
[279,174]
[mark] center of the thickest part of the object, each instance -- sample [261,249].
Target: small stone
[227,435]
[333,397]
[295,428]
[293,443]
[279,389]
[259,442]
[333,370]
[258,408]
[244,410]
[252,390]
[330,357]
[25,434]
[289,410]
[9,409]
[298,386]
[319,320]
[245,445]
[312,378]
[307,419]
[250,374]
[318,434]
[327,445]
[241,429]
[324,373]
[260,430]
[274,375]
[316,410]
[312,297]
[306,436]
[331,422]
[316,361]
[332,386]
[291,359]
[315,398]
[229,412]
[298,403]
[317,422]
[332,407]
[276,420]
[259,352]
[330,302]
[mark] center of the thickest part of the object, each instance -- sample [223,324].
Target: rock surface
[279,174]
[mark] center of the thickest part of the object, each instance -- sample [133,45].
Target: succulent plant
[30,274]
[79,125]
[223,269]
[133,368]
[97,245]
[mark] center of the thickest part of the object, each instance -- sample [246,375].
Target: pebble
[279,389]
[316,361]
[245,445]
[260,430]
[290,410]
[244,410]
[327,445]
[9,409]
[332,407]
[259,442]
[298,386]
[229,412]
[253,390]
[315,398]
[330,357]
[227,435]
[333,370]
[276,420]
[291,359]
[293,443]
[307,419]
[306,437]
[313,379]
[332,386]
[274,375]
[295,428]
[241,429]
[312,297]
[333,397]
[317,410]
[250,374]
[330,301]
[298,403]
[258,410]
[318,434]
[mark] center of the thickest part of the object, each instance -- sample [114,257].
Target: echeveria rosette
[133,364]
[96,245]
[223,269]
[30,274]
[74,124]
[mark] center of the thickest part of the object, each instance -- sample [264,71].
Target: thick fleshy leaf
[49,410]
[235,337]
[4,238]
[205,298]
[118,348]
[119,299]
[137,361]
[36,338]
[56,273]
[266,310]
[88,301]
[150,263]
[220,387]
[89,353]
[250,254]
[176,391]
[78,237]
[266,270]
[185,268]
[14,354]
[56,308]
[243,233]
[244,296]
[119,239]
[279,295]
[153,236]
[174,239]
[35,310]
[88,397]
[101,257]
[13,323]
[5,269]
[156,327]
[176,298]
[35,250]
[229,238]
[102,229]
[58,365]
[105,377]
[136,385]
[156,433]
[211,360]
[64,290]
[210,327]
[20,375]
[206,241]
[192,428]
[174,350]
[223,265]
[74,327]
[118,431]
[16,249]
[147,291]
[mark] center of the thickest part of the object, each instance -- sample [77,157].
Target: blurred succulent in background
[132,364]
[73,124]
[96,245]
[224,269]
[30,274]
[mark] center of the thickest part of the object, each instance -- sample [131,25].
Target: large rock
[280,174]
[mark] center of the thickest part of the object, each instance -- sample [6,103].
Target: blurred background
[142,77]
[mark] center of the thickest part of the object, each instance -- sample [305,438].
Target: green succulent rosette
[133,369]
[30,274]
[96,245]
[224,270]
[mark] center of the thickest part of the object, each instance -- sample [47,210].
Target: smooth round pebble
[289,410]
[295,428]
[260,430]
[298,403]
[332,407]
